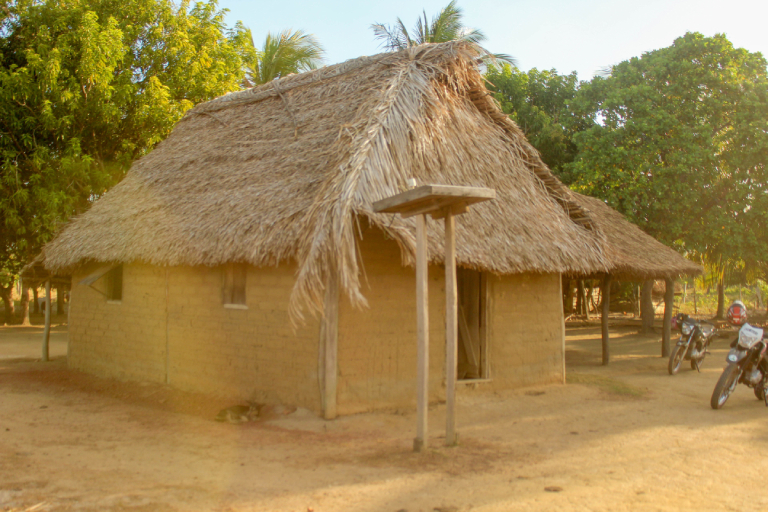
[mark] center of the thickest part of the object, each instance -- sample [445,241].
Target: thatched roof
[286,170]
[632,253]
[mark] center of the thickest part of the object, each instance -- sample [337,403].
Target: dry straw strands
[287,170]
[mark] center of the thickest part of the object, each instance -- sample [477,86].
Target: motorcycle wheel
[725,385]
[759,392]
[676,359]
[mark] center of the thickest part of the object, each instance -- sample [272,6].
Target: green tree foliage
[678,141]
[446,26]
[86,87]
[282,54]
[538,102]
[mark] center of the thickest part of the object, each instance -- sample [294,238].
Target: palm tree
[446,26]
[282,54]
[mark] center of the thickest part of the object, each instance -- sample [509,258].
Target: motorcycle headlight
[687,328]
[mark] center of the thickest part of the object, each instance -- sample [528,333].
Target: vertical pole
[669,302]
[47,331]
[451,341]
[422,326]
[606,292]
[167,329]
[566,310]
[330,340]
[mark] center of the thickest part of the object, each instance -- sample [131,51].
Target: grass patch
[611,386]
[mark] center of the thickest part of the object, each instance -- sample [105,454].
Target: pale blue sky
[577,35]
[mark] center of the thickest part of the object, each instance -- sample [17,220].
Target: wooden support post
[329,337]
[47,331]
[422,327]
[451,338]
[669,301]
[606,292]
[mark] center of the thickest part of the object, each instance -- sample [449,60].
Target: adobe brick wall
[526,330]
[193,342]
[123,340]
[252,353]
[377,345]
[171,327]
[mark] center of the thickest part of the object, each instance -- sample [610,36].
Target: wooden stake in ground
[47,330]
[606,292]
[441,201]
[422,327]
[669,302]
[451,338]
[329,345]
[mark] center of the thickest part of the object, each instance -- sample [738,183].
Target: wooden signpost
[441,202]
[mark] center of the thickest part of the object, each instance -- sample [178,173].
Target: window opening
[115,284]
[234,283]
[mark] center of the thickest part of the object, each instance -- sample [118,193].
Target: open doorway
[472,362]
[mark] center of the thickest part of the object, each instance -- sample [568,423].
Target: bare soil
[623,437]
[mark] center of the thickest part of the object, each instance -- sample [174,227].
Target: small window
[115,284]
[234,284]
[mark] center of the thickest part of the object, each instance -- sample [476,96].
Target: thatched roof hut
[287,170]
[633,254]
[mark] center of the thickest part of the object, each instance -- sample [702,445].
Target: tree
[446,26]
[86,87]
[677,140]
[538,102]
[280,55]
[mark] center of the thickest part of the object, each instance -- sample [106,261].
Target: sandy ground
[623,437]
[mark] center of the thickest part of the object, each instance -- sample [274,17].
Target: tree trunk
[36,299]
[567,296]
[695,306]
[6,293]
[580,297]
[669,302]
[720,298]
[606,294]
[647,313]
[24,304]
[59,300]
[636,301]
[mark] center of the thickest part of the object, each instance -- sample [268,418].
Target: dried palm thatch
[633,254]
[287,170]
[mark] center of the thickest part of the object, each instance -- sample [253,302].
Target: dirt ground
[623,437]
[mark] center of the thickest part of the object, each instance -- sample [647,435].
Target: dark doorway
[472,362]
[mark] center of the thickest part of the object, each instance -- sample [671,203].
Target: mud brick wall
[526,330]
[171,326]
[248,353]
[126,339]
[377,345]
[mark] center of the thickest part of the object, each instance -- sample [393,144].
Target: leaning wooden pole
[606,292]
[669,302]
[422,326]
[329,340]
[47,331]
[451,325]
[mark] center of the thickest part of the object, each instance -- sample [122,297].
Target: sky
[585,36]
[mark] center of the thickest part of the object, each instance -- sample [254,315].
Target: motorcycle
[746,365]
[694,341]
